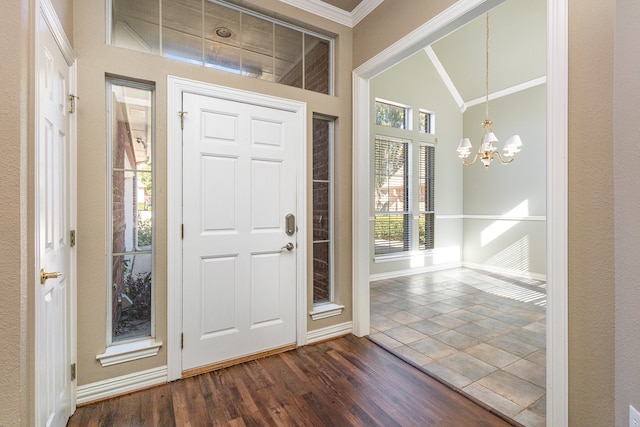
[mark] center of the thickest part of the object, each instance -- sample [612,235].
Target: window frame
[429,181]
[142,346]
[408,197]
[413,212]
[432,122]
[408,113]
[324,309]
[111,22]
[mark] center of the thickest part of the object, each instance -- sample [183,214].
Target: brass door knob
[44,276]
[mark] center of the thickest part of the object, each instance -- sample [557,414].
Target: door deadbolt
[290,224]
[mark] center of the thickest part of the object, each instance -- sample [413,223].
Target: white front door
[53,295]
[239,184]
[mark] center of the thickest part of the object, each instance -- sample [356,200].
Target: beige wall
[14,249]
[591,255]
[94,60]
[64,10]
[591,266]
[398,18]
[627,204]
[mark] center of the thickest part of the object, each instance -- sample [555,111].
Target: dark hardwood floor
[345,382]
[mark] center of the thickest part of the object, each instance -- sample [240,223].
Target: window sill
[121,353]
[326,310]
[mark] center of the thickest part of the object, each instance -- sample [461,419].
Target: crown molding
[362,10]
[335,14]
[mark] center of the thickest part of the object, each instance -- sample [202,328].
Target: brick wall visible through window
[322,190]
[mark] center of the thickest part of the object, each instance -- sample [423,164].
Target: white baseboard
[121,385]
[410,271]
[506,271]
[329,332]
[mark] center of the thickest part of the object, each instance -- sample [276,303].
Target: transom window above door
[224,37]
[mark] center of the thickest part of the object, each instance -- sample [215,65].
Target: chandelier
[488,150]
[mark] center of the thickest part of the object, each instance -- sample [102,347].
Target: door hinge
[182,232]
[182,340]
[72,103]
[181,114]
[72,238]
[73,372]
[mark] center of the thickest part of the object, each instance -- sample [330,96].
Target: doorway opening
[556,244]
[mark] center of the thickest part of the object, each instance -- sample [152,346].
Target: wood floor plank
[345,382]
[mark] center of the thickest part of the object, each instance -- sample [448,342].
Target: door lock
[288,246]
[290,224]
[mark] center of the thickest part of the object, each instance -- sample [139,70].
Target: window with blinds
[403,196]
[391,198]
[426,174]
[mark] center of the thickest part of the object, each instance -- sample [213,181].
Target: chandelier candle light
[488,148]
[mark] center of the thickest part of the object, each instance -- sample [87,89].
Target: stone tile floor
[481,332]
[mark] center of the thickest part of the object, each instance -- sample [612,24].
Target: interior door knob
[44,276]
[288,246]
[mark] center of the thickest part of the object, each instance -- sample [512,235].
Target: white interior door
[239,184]
[53,295]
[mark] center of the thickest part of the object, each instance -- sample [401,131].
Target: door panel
[53,352]
[239,284]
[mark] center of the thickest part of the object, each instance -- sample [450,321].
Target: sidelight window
[130,108]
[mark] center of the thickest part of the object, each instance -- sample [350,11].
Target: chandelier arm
[502,160]
[475,158]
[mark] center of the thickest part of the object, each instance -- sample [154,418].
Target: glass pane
[424,122]
[321,153]
[222,57]
[131,297]
[320,211]
[390,177]
[390,115]
[131,127]
[288,55]
[144,206]
[257,65]
[131,211]
[135,25]
[257,35]
[321,273]
[257,48]
[124,211]
[425,178]
[222,38]
[221,24]
[316,64]
[182,47]
[182,30]
[391,233]
[426,224]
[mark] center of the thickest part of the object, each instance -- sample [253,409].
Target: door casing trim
[557,179]
[44,9]
[176,87]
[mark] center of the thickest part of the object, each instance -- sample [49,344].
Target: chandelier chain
[486,70]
